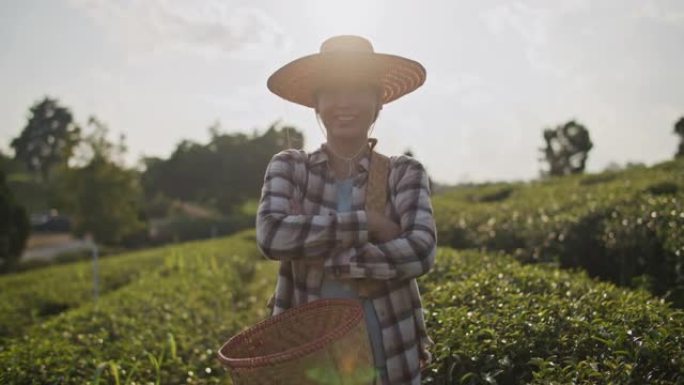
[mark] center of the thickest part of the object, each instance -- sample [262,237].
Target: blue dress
[333,288]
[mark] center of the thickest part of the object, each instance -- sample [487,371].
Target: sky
[498,73]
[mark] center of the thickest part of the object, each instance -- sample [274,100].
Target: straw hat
[343,59]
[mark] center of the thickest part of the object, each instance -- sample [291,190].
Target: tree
[223,173]
[567,149]
[102,196]
[48,139]
[10,165]
[14,227]
[679,130]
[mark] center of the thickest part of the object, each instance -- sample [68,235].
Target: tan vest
[376,199]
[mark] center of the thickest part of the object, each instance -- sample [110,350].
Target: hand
[381,228]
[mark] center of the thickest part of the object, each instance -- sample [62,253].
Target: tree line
[79,170]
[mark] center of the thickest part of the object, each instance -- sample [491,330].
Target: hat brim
[298,80]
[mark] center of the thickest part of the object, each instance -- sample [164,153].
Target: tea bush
[30,297]
[496,321]
[573,221]
[164,327]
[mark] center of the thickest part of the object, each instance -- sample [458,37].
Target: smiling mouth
[345,118]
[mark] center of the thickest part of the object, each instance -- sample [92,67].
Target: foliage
[679,130]
[223,173]
[183,228]
[48,139]
[567,148]
[14,227]
[163,325]
[103,200]
[31,297]
[29,190]
[102,196]
[97,145]
[643,242]
[623,226]
[10,165]
[495,321]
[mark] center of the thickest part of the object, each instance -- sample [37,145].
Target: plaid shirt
[297,224]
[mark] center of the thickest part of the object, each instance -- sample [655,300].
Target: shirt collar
[321,156]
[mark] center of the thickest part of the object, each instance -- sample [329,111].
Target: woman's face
[348,110]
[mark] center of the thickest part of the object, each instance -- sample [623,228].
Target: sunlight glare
[351,16]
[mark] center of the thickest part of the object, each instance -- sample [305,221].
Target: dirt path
[48,246]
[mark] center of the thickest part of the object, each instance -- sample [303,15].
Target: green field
[491,317]
[496,318]
[624,226]
[160,316]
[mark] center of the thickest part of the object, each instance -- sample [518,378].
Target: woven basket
[323,341]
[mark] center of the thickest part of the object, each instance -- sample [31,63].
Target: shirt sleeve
[410,255]
[285,235]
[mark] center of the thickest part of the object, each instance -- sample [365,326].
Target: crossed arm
[362,244]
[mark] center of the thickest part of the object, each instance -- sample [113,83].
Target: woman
[312,215]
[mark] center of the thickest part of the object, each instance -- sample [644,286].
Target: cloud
[543,28]
[529,22]
[209,28]
[532,24]
[655,11]
[466,89]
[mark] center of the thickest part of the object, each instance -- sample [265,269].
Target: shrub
[14,227]
[493,319]
[164,327]
[496,321]
[183,228]
[69,286]
[576,223]
[662,188]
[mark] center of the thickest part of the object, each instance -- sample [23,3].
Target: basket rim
[356,314]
